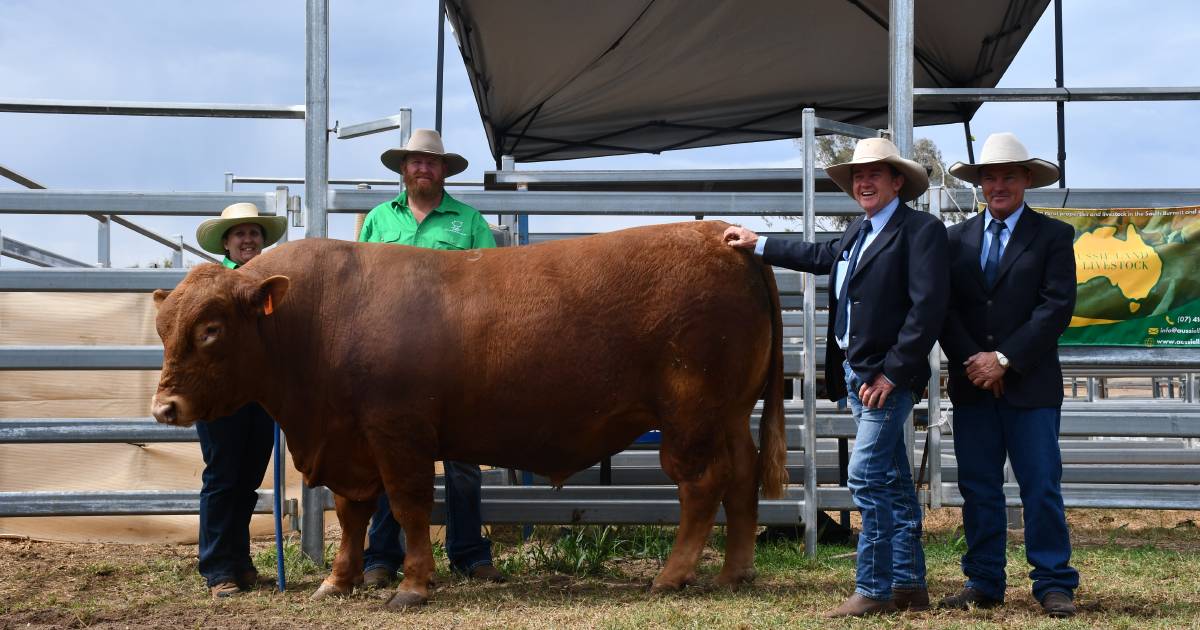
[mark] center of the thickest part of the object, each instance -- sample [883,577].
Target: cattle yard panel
[103,236]
[537,504]
[111,357]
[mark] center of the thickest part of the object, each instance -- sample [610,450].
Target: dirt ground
[61,585]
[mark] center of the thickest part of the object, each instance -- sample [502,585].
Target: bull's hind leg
[692,459]
[741,509]
[353,517]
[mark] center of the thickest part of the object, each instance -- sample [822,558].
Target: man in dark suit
[888,290]
[1012,294]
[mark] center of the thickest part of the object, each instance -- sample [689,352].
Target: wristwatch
[1002,359]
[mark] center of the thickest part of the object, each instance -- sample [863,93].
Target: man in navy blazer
[888,289]
[1012,294]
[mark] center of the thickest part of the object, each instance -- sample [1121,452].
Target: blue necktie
[993,256]
[843,314]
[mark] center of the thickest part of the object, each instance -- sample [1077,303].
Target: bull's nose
[164,410]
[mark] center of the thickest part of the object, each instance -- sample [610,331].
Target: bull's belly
[553,447]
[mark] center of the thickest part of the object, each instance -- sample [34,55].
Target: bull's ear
[271,292]
[159,296]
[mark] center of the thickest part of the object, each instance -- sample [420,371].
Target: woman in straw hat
[236,448]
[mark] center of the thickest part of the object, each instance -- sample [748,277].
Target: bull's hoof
[406,599]
[663,586]
[328,589]
[734,579]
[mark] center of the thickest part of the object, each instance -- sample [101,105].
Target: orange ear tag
[269,308]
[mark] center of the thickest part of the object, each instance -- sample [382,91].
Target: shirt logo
[457,227]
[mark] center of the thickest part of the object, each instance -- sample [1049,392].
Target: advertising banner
[1138,276]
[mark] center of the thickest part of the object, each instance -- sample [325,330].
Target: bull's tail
[772,435]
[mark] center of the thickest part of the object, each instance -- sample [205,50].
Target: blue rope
[281,579]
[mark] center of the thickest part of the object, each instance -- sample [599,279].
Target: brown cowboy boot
[379,577]
[487,573]
[967,597]
[1058,604]
[862,606]
[912,599]
[225,589]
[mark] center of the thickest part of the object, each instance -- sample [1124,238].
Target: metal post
[405,133]
[900,114]
[177,252]
[508,163]
[103,242]
[933,426]
[312,523]
[228,181]
[441,55]
[316,196]
[316,119]
[970,141]
[1014,515]
[281,209]
[810,343]
[1060,106]
[900,84]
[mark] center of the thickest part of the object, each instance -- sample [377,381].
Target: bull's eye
[208,334]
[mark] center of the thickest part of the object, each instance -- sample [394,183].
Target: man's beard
[422,189]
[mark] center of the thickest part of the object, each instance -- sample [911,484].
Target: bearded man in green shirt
[424,215]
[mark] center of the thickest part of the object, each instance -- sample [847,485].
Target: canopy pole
[809,394]
[900,120]
[316,118]
[1060,106]
[900,83]
[441,49]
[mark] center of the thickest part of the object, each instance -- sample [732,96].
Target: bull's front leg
[353,517]
[412,501]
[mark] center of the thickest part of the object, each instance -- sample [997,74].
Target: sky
[383,58]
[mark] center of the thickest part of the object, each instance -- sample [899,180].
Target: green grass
[295,563]
[596,577]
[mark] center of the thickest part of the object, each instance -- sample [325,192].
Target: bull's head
[213,352]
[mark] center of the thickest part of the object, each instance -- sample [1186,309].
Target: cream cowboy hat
[424,141]
[211,232]
[872,150]
[1004,148]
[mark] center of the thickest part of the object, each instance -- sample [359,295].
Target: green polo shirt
[230,263]
[452,225]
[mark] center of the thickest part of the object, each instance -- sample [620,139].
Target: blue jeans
[236,451]
[890,555]
[465,544]
[983,435]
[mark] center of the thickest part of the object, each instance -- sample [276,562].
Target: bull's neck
[287,388]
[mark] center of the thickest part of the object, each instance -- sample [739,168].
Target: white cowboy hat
[212,231]
[424,141]
[871,150]
[1004,148]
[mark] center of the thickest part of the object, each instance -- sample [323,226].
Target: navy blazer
[1022,315]
[898,293]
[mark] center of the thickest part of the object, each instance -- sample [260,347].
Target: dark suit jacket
[898,293]
[1022,316]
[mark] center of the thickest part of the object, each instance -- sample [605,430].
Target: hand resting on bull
[379,359]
